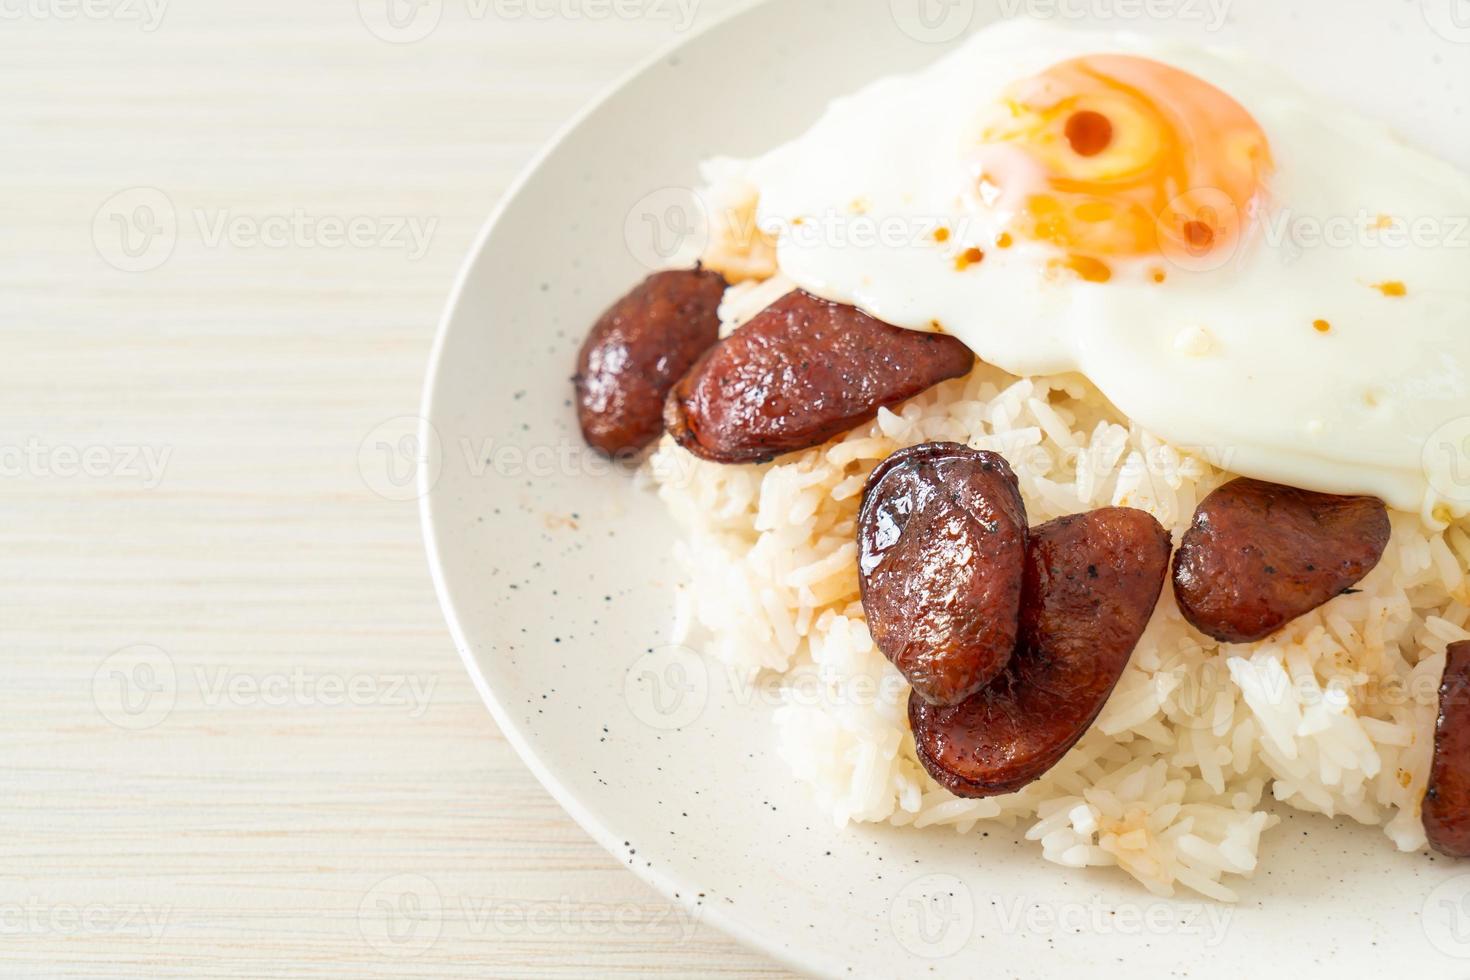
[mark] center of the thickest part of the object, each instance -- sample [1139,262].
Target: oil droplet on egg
[941,234]
[1089,132]
[1391,288]
[1198,235]
[1085,267]
[967,258]
[1321,326]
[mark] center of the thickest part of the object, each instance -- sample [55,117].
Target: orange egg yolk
[1118,157]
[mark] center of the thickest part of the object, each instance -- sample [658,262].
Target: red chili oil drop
[1089,132]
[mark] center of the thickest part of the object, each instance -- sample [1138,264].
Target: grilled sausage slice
[1091,584]
[635,353]
[941,549]
[1446,810]
[1258,555]
[801,372]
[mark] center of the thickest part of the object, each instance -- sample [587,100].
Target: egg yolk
[1117,157]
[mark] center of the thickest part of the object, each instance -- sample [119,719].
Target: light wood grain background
[237,739]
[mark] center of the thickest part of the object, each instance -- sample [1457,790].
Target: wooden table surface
[238,740]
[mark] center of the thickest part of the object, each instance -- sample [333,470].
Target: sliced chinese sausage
[1258,555]
[1446,810]
[801,372]
[637,350]
[941,549]
[1091,584]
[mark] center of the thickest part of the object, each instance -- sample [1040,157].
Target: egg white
[1223,360]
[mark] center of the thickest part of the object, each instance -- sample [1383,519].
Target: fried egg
[1244,269]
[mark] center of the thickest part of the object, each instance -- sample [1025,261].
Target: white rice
[1332,715]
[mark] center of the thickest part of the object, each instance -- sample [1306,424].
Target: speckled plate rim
[671,886]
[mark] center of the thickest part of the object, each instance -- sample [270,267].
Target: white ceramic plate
[554,570]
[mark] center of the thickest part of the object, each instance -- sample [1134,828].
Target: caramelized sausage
[1259,555]
[802,371]
[941,548]
[1091,584]
[635,353]
[1446,810]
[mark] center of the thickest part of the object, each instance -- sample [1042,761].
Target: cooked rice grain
[1332,715]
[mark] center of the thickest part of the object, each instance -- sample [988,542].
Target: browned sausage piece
[941,549]
[1446,810]
[802,371]
[1259,555]
[635,353]
[1091,584]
